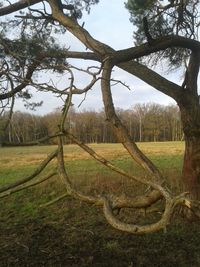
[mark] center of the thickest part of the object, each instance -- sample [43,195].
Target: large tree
[160,23]
[170,32]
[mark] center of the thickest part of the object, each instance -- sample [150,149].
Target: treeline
[145,122]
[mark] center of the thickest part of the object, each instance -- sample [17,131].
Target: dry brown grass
[19,156]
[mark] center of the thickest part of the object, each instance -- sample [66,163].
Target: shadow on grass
[74,234]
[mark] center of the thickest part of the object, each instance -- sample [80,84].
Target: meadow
[71,233]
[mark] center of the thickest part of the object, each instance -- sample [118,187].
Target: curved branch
[143,229]
[158,44]
[117,201]
[119,129]
[121,201]
[38,60]
[65,179]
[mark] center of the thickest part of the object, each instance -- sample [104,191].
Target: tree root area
[81,237]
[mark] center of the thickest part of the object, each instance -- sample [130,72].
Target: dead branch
[65,179]
[24,186]
[108,163]
[107,202]
[170,204]
[68,103]
[119,82]
[55,200]
[36,142]
[37,171]
[120,201]
[72,88]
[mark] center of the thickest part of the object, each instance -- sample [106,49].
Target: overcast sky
[109,23]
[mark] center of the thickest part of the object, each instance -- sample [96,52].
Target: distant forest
[145,122]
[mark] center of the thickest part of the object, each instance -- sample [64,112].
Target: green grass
[85,172]
[19,161]
[70,233]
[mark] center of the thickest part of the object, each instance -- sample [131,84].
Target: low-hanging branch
[65,179]
[107,203]
[35,142]
[36,172]
[170,204]
[26,185]
[119,129]
[121,201]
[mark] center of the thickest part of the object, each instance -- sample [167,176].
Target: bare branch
[55,200]
[36,142]
[107,163]
[68,103]
[120,130]
[170,205]
[26,185]
[120,82]
[72,88]
[29,73]
[37,171]
[65,179]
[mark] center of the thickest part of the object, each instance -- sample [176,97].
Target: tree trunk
[191,166]
[190,116]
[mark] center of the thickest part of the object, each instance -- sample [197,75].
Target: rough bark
[191,166]
[190,116]
[17,6]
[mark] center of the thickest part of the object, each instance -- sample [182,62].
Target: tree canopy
[155,19]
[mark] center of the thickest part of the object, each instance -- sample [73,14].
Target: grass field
[70,233]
